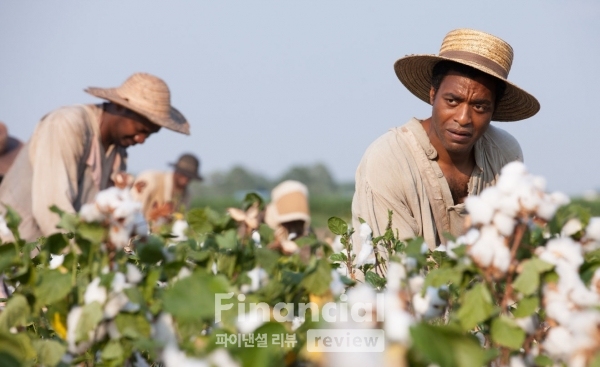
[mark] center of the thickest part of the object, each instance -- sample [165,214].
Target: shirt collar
[415,126]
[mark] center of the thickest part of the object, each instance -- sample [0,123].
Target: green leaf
[227,240]
[93,232]
[543,361]
[56,243]
[197,290]
[198,221]
[49,352]
[375,280]
[528,281]
[91,315]
[526,307]
[133,325]
[476,307]
[442,276]
[337,226]
[16,312]
[113,350]
[507,333]
[68,222]
[53,287]
[340,256]
[15,350]
[8,257]
[150,251]
[446,346]
[267,259]
[413,247]
[317,282]
[291,278]
[272,354]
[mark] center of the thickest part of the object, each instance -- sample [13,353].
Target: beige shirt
[399,172]
[63,164]
[156,189]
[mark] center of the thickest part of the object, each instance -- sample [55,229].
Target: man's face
[133,128]
[181,180]
[461,113]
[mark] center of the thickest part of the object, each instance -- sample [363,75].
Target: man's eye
[451,101]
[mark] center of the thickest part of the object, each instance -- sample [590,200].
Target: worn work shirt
[63,164]
[400,172]
[157,189]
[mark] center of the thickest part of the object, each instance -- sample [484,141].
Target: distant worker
[288,213]
[166,192]
[9,148]
[75,150]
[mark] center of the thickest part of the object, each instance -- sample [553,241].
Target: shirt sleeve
[142,190]
[57,153]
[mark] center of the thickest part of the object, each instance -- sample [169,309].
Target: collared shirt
[400,172]
[63,164]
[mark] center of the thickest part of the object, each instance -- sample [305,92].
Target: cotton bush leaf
[337,226]
[442,276]
[92,232]
[228,240]
[528,281]
[338,257]
[507,333]
[112,351]
[133,325]
[317,281]
[15,313]
[54,286]
[198,221]
[476,307]
[56,243]
[90,317]
[150,251]
[49,352]
[526,307]
[375,280]
[446,346]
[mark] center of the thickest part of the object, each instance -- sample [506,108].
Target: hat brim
[415,73]
[176,121]
[192,175]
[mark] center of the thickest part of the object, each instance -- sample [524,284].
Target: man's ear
[431,95]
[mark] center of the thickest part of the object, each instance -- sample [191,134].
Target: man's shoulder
[75,116]
[151,175]
[502,141]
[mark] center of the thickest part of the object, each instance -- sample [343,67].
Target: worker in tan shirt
[423,170]
[75,150]
[162,192]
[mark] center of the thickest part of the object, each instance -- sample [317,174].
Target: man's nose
[463,114]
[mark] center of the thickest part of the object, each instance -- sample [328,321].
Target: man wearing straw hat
[423,170]
[157,189]
[75,150]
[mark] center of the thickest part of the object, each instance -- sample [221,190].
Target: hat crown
[480,48]
[188,164]
[147,92]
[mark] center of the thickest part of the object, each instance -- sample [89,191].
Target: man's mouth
[459,136]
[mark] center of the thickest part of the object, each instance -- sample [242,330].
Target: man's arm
[57,151]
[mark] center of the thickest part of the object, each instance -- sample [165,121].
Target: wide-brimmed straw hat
[289,202]
[149,96]
[188,165]
[478,50]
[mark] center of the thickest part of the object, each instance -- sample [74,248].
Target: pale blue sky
[273,83]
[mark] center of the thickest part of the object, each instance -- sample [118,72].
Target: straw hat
[9,148]
[481,51]
[289,202]
[188,165]
[149,96]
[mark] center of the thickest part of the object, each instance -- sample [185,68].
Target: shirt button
[440,174]
[429,151]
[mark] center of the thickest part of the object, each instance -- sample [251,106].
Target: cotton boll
[255,237]
[416,284]
[395,274]
[134,275]
[514,168]
[480,211]
[546,210]
[336,285]
[114,305]
[481,254]
[593,229]
[517,361]
[163,330]
[501,260]
[572,226]
[510,177]
[410,263]
[72,321]
[361,293]
[252,320]
[56,261]
[118,283]
[173,357]
[365,232]
[90,213]
[337,245]
[397,326]
[529,198]
[107,200]
[221,358]
[510,205]
[365,252]
[539,183]
[430,305]
[558,342]
[258,278]
[559,198]
[561,249]
[180,227]
[119,236]
[504,224]
[469,238]
[94,292]
[297,322]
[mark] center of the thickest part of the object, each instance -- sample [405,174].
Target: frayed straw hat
[289,202]
[476,49]
[188,165]
[150,97]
